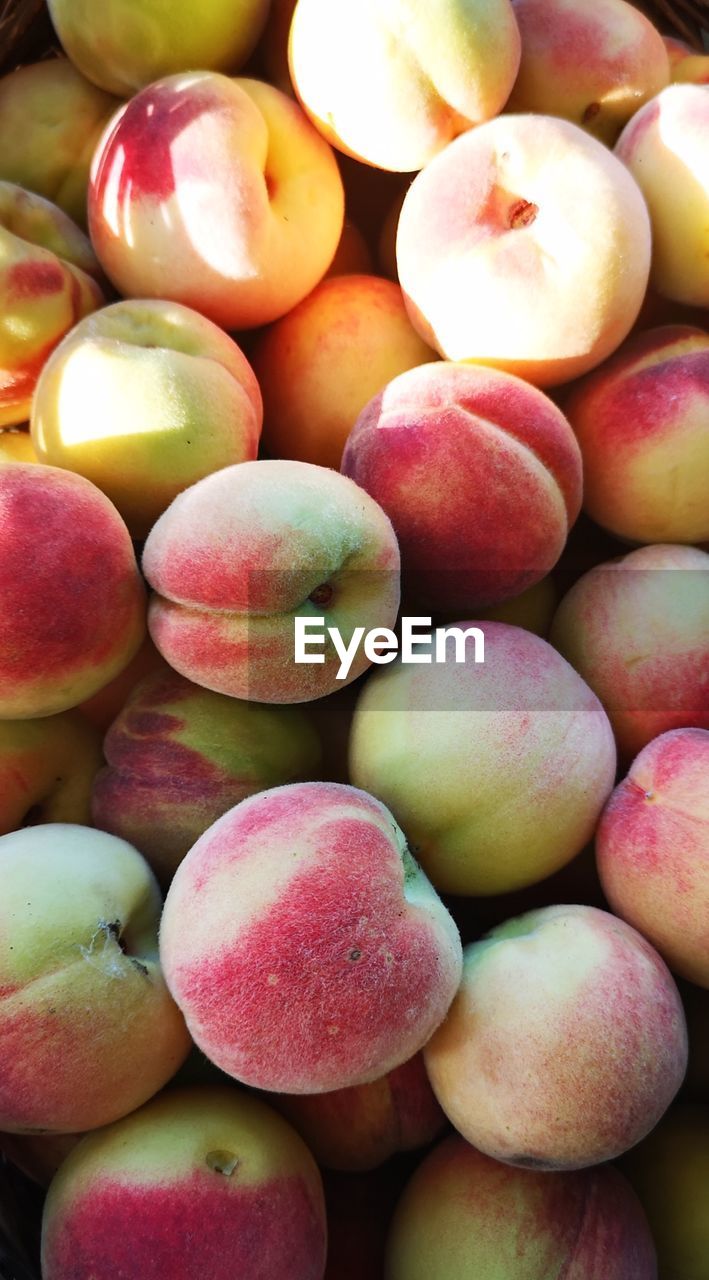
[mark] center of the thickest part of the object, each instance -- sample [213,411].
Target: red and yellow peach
[592,64]
[652,847]
[391,84]
[497,771]
[305,947]
[47,768]
[47,284]
[320,365]
[72,604]
[464,1216]
[664,147]
[200,1182]
[641,422]
[565,1043]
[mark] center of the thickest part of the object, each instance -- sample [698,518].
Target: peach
[180,756]
[320,365]
[652,847]
[72,605]
[565,1043]
[16,446]
[218,194]
[636,630]
[533,609]
[89,1029]
[664,148]
[200,1182]
[691,70]
[243,557]
[670,1173]
[145,398]
[50,122]
[303,943]
[38,1155]
[677,49]
[464,1217]
[594,65]
[557,280]
[641,421]
[439,745]
[47,768]
[46,286]
[123,45]
[392,83]
[102,708]
[356,1129]
[480,475]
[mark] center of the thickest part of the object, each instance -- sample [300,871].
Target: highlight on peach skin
[241,556]
[218,194]
[200,1182]
[306,898]
[72,604]
[88,1024]
[652,848]
[144,398]
[178,756]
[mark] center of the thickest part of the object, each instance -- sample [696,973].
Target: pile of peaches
[343,312]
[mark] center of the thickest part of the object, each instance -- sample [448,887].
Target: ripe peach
[652,847]
[664,147]
[47,768]
[533,609]
[636,630]
[50,122]
[565,1044]
[123,45]
[641,420]
[691,70]
[72,605]
[439,745]
[557,279]
[46,286]
[88,1026]
[244,554]
[320,365]
[670,1173]
[38,1155]
[145,398]
[395,100]
[480,475]
[463,1215]
[356,1129]
[216,193]
[16,446]
[200,1182]
[594,65]
[304,945]
[102,708]
[180,756]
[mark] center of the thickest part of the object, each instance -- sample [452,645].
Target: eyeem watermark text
[418,644]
